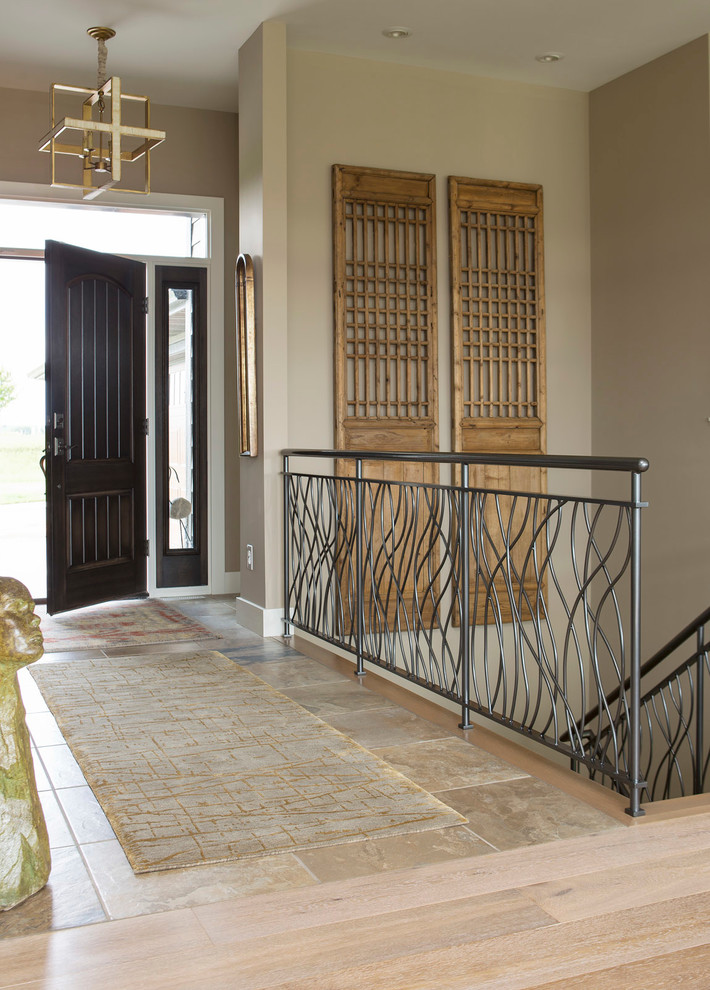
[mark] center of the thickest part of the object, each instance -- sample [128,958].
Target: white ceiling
[184,52]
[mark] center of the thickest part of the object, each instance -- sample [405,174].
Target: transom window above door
[157,233]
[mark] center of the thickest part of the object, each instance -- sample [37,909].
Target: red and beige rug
[120,624]
[196,760]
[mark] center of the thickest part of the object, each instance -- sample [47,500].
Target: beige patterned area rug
[196,760]
[120,624]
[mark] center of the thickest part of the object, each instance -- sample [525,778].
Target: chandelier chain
[103,55]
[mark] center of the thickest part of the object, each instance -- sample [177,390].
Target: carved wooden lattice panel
[385,304]
[387,310]
[498,359]
[385,349]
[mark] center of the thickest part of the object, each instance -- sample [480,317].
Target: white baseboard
[262,621]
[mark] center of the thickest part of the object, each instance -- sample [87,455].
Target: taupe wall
[262,228]
[351,111]
[199,158]
[357,112]
[650,209]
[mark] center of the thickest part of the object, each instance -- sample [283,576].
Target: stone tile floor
[92,881]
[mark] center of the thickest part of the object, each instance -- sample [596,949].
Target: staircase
[675,748]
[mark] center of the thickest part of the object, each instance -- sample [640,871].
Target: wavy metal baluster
[464,515]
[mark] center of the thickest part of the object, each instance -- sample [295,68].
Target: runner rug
[196,760]
[131,623]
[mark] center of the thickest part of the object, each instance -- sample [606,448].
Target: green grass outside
[21,479]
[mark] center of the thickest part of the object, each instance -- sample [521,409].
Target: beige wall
[199,158]
[262,229]
[350,111]
[650,196]
[357,112]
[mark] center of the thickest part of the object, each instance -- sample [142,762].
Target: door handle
[43,464]
[61,446]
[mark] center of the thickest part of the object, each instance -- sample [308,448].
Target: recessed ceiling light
[550,57]
[397,32]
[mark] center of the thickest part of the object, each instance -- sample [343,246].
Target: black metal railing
[674,746]
[520,606]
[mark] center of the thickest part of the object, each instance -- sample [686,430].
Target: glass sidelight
[181,417]
[181,427]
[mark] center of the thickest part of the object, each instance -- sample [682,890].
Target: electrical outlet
[250,557]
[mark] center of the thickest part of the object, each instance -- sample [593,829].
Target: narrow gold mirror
[246,351]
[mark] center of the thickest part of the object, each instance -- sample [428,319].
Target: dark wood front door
[96,494]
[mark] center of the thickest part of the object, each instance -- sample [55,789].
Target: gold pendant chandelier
[103,139]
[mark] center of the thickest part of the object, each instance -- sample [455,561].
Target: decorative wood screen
[498,346]
[385,310]
[385,352]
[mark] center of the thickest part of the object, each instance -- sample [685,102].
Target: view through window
[101,228]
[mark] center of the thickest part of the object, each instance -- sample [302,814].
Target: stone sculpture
[24,845]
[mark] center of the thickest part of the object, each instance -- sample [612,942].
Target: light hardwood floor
[628,908]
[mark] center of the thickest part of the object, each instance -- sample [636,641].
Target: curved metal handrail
[665,651]
[636,465]
[677,641]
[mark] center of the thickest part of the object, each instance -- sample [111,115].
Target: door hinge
[146,427]
[145,305]
[146,547]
